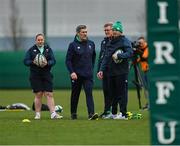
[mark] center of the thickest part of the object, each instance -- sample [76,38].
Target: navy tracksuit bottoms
[119,93]
[106,92]
[87,84]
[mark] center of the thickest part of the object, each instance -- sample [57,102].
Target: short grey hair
[79,27]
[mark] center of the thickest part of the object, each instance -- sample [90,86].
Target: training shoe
[73,116]
[120,117]
[37,116]
[94,117]
[104,114]
[108,116]
[54,115]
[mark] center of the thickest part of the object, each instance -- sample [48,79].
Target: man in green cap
[118,26]
[119,50]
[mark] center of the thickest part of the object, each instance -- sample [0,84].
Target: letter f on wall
[163,89]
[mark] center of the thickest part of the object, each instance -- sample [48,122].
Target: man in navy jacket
[105,81]
[119,50]
[80,60]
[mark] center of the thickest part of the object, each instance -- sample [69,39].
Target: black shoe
[94,117]
[104,114]
[74,116]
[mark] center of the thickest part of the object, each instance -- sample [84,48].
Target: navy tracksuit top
[115,44]
[102,52]
[34,69]
[80,58]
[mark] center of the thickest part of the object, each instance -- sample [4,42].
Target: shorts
[41,83]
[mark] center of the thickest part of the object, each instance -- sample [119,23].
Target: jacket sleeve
[128,52]
[99,59]
[69,57]
[52,60]
[27,60]
[108,54]
[94,56]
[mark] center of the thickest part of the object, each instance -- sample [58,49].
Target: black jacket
[34,69]
[80,58]
[115,69]
[102,52]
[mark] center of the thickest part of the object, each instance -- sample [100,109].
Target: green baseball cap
[117,26]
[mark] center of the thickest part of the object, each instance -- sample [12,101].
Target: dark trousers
[87,84]
[106,92]
[119,93]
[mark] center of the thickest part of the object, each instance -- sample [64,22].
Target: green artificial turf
[66,131]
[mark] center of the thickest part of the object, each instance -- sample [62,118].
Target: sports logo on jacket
[90,47]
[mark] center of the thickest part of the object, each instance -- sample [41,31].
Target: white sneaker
[120,117]
[113,116]
[37,116]
[109,116]
[54,115]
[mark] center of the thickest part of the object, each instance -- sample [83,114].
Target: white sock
[38,113]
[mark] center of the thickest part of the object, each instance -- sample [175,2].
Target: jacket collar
[76,39]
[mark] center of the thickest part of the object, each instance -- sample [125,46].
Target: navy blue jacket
[80,58]
[115,44]
[102,52]
[34,69]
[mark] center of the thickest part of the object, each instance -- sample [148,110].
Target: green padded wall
[14,74]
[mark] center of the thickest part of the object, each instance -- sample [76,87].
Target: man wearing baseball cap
[119,50]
